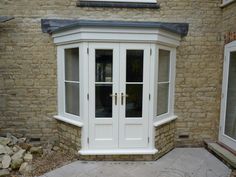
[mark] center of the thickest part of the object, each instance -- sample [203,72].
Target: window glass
[72,98]
[163,82]
[72,64]
[72,83]
[164,65]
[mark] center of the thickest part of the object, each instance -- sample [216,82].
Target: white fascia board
[116,35]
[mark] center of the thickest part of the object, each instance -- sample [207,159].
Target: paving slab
[180,162]
[223,153]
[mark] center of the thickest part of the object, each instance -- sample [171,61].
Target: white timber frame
[81,37]
[227,140]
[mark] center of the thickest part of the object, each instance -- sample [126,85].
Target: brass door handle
[115,95]
[122,97]
[115,98]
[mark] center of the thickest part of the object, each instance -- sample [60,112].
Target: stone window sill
[224,4]
[117,4]
[164,121]
[69,121]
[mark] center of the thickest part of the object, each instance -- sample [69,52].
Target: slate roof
[59,25]
[5,18]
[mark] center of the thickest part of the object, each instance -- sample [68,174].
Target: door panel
[133,121]
[228,105]
[103,84]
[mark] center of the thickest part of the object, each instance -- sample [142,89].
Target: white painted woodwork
[117,135]
[229,141]
[103,132]
[102,34]
[133,132]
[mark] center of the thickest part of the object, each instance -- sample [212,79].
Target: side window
[72,82]
[163,82]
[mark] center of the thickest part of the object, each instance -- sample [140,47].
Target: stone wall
[164,138]
[69,137]
[229,18]
[28,64]
[164,142]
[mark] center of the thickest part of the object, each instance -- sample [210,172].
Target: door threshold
[118,152]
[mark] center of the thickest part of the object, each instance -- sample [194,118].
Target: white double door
[118,95]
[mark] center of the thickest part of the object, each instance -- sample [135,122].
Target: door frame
[222,136]
[149,123]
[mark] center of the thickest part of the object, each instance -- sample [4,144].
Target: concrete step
[221,152]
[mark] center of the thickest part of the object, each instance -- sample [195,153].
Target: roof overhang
[71,31]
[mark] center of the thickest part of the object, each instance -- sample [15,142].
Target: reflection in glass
[230,121]
[134,100]
[163,97]
[72,64]
[72,98]
[164,65]
[134,66]
[103,99]
[103,65]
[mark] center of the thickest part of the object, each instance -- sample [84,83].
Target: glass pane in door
[103,83]
[103,100]
[134,83]
[134,66]
[230,120]
[134,100]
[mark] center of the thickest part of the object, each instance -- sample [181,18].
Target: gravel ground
[233,174]
[48,162]
[51,161]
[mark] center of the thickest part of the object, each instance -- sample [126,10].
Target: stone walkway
[181,162]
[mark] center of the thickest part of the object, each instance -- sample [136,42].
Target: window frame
[62,114]
[170,114]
